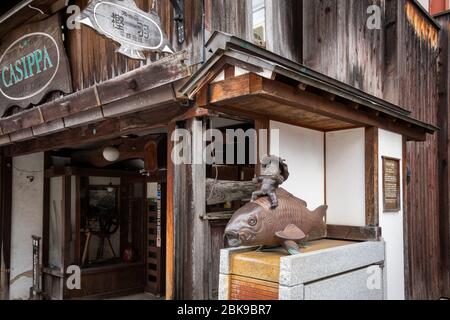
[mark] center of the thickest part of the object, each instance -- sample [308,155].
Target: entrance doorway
[105,213]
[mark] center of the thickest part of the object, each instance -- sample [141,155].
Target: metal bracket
[179,19]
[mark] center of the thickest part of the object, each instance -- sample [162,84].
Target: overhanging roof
[228,49]
[151,87]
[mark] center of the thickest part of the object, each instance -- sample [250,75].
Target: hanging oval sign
[122,21]
[33,64]
[28,66]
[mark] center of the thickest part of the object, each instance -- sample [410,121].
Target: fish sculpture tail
[319,214]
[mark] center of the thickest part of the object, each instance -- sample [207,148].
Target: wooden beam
[229,71]
[194,112]
[130,148]
[104,130]
[90,172]
[232,91]
[218,192]
[372,186]
[353,233]
[121,95]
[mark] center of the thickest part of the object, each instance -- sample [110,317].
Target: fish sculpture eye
[252,222]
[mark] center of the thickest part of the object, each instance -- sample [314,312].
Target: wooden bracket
[179,19]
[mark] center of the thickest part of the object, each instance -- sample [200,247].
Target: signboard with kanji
[122,21]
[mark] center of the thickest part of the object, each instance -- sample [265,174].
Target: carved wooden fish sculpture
[256,224]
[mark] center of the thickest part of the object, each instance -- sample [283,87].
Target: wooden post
[66,226]
[201,244]
[5,220]
[371,146]
[46,219]
[170,236]
[406,226]
[188,235]
[263,147]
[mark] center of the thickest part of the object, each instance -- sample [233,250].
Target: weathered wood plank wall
[229,16]
[444,150]
[93,58]
[412,61]
[399,63]
[284,28]
[338,43]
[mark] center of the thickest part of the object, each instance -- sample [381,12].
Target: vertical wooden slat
[66,224]
[283,28]
[77,242]
[417,85]
[46,218]
[170,236]
[262,124]
[406,226]
[371,164]
[444,152]
[337,42]
[6,217]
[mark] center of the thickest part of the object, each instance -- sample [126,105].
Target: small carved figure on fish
[256,224]
[274,172]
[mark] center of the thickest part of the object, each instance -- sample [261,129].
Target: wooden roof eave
[232,50]
[240,91]
[142,89]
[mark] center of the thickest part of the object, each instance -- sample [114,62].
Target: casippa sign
[28,66]
[33,64]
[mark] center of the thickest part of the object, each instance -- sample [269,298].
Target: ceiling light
[111,154]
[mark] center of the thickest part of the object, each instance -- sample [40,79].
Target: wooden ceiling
[263,107]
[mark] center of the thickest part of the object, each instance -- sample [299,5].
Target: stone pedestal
[326,270]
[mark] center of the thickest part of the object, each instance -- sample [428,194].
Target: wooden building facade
[237,64]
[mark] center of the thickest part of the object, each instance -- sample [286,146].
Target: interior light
[111,154]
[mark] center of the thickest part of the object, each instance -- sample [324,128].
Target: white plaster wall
[391,145]
[345,175]
[303,150]
[27,215]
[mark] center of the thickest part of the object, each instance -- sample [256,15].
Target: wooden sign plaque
[391,185]
[123,22]
[33,63]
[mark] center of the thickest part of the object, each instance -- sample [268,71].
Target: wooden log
[354,233]
[218,192]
